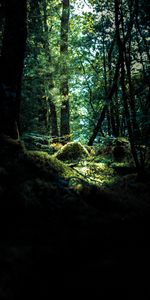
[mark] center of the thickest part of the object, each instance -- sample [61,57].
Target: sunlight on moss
[121,139]
[97,173]
[55,147]
[102,159]
[123,164]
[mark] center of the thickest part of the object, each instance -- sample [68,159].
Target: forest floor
[72,225]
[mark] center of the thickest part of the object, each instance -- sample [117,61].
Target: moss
[123,168]
[115,148]
[54,147]
[120,141]
[72,151]
[102,149]
[50,163]
[31,178]
[90,149]
[95,173]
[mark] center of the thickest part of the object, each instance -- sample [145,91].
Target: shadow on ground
[55,237]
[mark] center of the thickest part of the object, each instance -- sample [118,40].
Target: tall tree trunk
[52,107]
[105,83]
[117,128]
[121,48]
[112,118]
[108,122]
[136,131]
[127,59]
[11,66]
[53,122]
[108,101]
[98,126]
[64,85]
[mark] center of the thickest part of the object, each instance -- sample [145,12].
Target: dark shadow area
[55,237]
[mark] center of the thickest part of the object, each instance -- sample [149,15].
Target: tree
[79,56]
[64,85]
[11,66]
[41,84]
[51,105]
[128,44]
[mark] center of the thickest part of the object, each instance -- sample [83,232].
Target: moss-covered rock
[49,164]
[54,147]
[30,178]
[72,151]
[116,148]
[120,149]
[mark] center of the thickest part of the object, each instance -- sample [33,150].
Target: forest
[74,146]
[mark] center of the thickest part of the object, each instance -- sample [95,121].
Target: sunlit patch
[97,173]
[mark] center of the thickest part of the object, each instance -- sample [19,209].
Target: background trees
[87,71]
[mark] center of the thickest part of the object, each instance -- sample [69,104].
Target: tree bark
[127,60]
[108,100]
[64,85]
[52,107]
[121,48]
[98,126]
[11,66]
[53,122]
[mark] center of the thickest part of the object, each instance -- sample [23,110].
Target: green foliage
[91,65]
